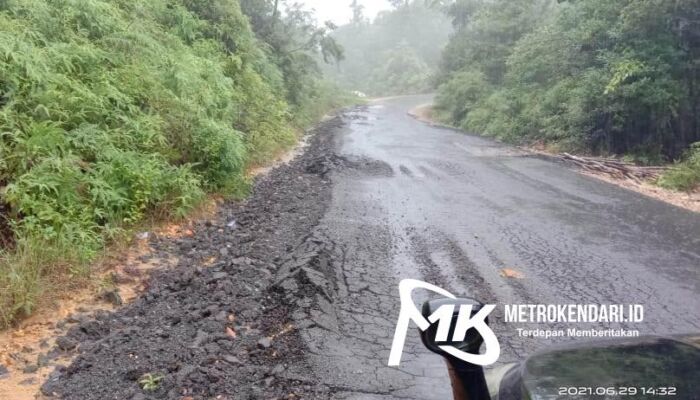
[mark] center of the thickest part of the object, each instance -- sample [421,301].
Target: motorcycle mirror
[472,341]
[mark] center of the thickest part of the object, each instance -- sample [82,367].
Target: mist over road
[455,210]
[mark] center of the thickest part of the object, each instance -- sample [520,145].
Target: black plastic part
[470,378]
[511,385]
[472,342]
[467,379]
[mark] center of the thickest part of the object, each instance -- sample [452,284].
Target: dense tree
[396,53]
[295,41]
[358,16]
[615,77]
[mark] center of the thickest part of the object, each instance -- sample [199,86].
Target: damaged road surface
[294,292]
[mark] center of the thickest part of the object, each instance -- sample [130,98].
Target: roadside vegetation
[396,53]
[594,76]
[112,112]
[685,175]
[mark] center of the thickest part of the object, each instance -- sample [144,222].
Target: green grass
[112,112]
[150,382]
[684,175]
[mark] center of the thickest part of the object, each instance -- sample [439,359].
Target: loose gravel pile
[221,329]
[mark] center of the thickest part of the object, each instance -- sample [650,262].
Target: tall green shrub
[111,111]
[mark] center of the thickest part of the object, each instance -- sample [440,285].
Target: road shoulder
[687,200]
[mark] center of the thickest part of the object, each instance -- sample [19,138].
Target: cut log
[613,167]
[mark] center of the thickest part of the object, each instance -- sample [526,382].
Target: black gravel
[214,331]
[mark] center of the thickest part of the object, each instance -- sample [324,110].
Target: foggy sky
[339,11]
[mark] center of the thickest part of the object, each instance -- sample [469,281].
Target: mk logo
[443,317]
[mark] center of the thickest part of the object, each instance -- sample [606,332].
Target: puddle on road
[489,150]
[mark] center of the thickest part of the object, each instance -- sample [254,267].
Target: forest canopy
[396,53]
[607,77]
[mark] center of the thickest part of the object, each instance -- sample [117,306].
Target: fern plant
[115,111]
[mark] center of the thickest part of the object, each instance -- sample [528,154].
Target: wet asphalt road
[454,210]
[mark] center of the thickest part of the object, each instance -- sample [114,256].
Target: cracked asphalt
[454,210]
[294,292]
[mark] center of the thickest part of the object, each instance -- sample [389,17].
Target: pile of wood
[614,167]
